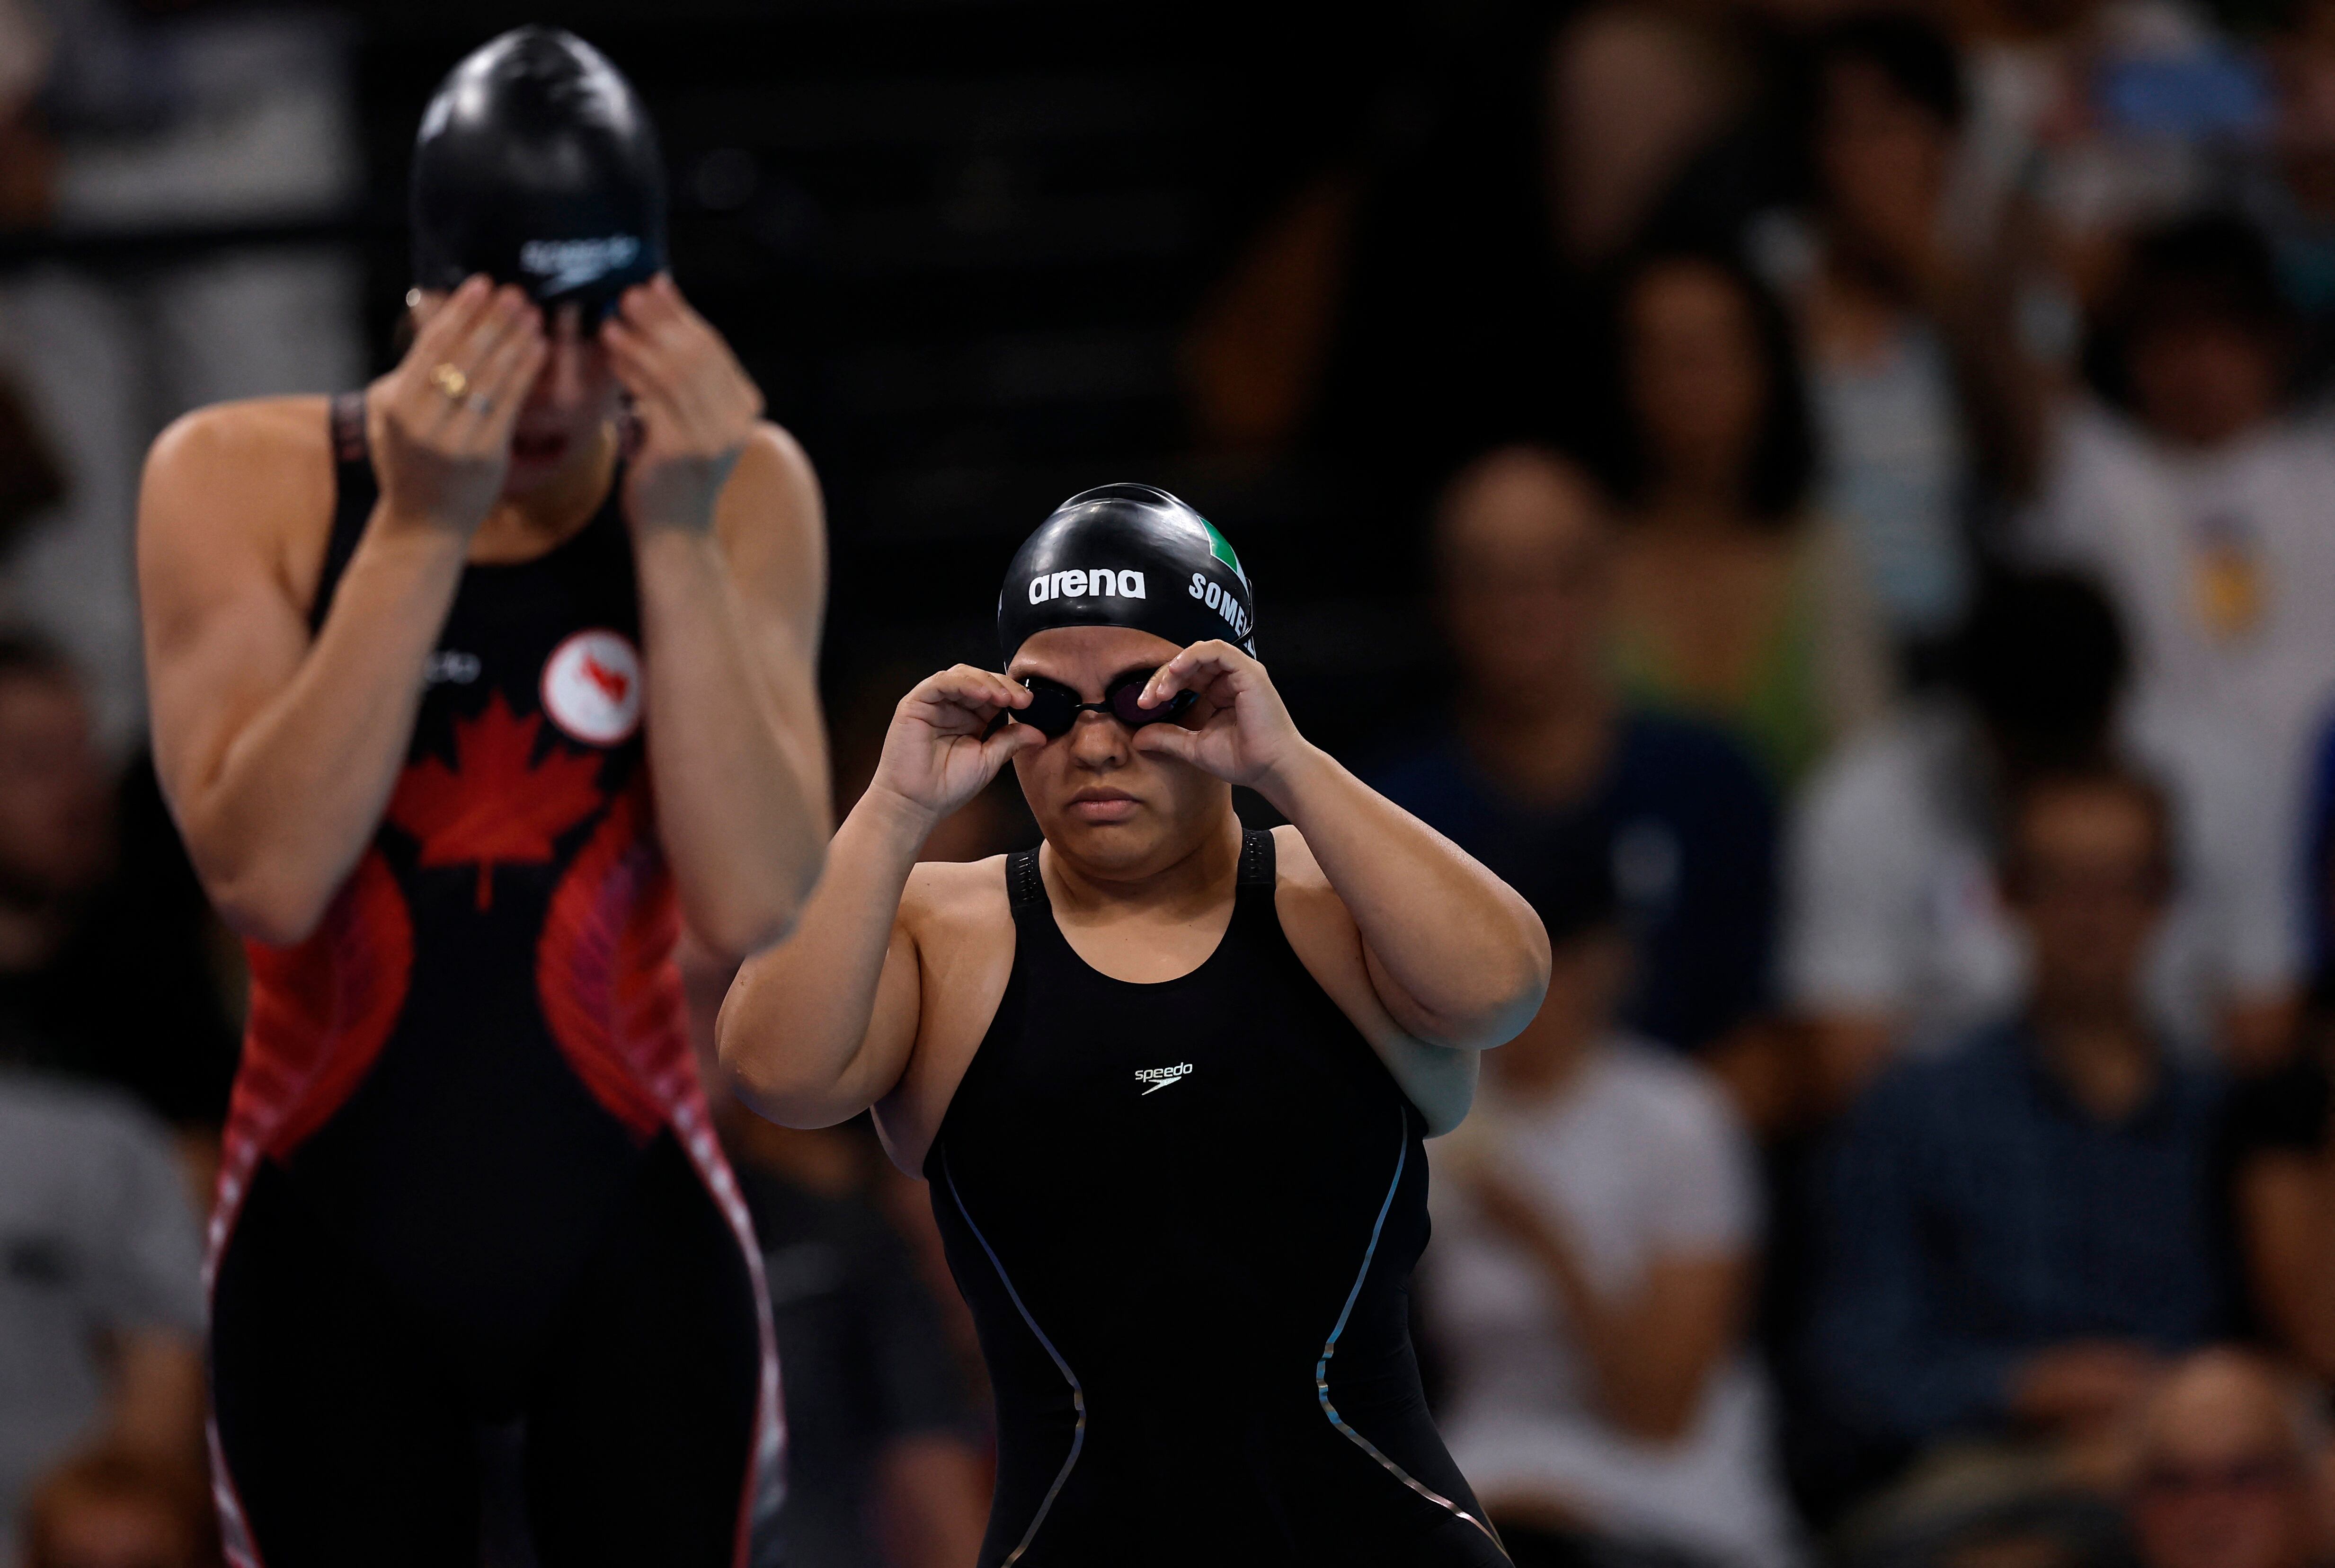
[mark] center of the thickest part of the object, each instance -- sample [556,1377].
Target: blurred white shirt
[1640,1157]
[1891,905]
[2222,564]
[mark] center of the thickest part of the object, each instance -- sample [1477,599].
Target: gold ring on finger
[448,379]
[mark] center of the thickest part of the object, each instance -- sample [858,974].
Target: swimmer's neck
[524,527]
[1190,887]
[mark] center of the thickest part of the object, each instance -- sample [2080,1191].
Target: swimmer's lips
[1104,805]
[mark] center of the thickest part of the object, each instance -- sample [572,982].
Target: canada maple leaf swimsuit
[469,1193]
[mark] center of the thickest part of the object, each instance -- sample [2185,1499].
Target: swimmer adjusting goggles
[1054,709]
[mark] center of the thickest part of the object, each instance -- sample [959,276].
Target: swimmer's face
[576,396]
[1111,809]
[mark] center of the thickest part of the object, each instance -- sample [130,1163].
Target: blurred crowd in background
[1836,504]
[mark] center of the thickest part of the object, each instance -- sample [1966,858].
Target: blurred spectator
[1731,601]
[1596,1236]
[117,1508]
[1635,90]
[2199,504]
[2017,1233]
[883,1467]
[1895,930]
[2291,193]
[2098,116]
[2231,1469]
[1924,404]
[162,118]
[1547,764]
[2280,1156]
[101,1295]
[102,968]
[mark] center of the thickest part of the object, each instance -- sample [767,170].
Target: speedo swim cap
[537,165]
[1127,556]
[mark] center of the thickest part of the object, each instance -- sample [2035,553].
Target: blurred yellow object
[2231,595]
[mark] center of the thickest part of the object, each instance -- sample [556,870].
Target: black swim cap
[1127,556]
[536,164]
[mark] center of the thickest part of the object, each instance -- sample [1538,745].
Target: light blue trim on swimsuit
[1330,1349]
[1078,1392]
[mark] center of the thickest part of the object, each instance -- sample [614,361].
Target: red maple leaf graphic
[497,804]
[614,684]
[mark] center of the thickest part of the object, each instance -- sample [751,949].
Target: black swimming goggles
[1053,710]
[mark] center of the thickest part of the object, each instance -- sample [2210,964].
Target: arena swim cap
[1127,556]
[537,165]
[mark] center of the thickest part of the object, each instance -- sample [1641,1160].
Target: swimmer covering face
[403,646]
[1168,1079]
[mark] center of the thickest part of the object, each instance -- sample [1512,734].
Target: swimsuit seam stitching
[1078,1391]
[1330,1349]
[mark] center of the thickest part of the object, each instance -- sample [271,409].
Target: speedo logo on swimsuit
[1159,1078]
[1095,583]
[566,263]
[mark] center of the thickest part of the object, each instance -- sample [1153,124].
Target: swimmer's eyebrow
[1132,672]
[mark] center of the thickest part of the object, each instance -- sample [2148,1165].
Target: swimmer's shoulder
[280,445]
[260,470]
[949,905]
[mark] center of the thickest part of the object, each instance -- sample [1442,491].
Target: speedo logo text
[1159,1078]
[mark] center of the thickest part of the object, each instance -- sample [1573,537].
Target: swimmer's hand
[1239,730]
[446,412]
[935,758]
[695,405]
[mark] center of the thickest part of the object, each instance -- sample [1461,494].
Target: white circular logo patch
[592,687]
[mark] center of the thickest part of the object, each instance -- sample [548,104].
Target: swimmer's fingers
[1000,749]
[501,387]
[1202,668]
[679,369]
[444,324]
[443,381]
[963,700]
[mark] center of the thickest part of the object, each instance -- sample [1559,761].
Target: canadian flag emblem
[592,687]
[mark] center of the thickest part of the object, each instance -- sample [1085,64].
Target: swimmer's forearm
[735,744]
[815,1031]
[279,819]
[1460,958]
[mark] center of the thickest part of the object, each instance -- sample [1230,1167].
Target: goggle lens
[1053,711]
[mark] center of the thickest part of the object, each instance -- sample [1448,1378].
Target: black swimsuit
[470,1196]
[1185,1216]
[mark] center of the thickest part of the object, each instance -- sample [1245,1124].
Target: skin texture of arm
[730,543]
[817,1030]
[278,751]
[1456,957]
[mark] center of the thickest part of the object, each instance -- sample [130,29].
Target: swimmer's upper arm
[960,957]
[773,525]
[227,491]
[1440,1080]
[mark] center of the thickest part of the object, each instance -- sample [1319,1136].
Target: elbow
[263,905]
[1512,975]
[758,1077]
[1511,987]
